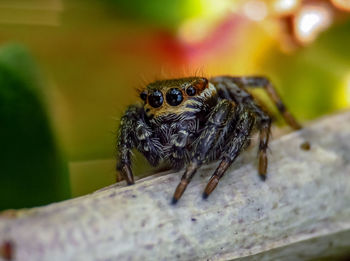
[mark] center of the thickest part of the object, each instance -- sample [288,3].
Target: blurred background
[68,69]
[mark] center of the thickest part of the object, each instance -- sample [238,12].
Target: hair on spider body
[187,122]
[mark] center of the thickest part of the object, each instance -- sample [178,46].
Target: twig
[301,211]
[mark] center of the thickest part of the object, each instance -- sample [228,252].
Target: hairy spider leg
[218,118]
[263,82]
[230,89]
[126,143]
[238,141]
[265,126]
[135,132]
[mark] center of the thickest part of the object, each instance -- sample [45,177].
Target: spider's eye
[174,97]
[143,96]
[191,91]
[155,99]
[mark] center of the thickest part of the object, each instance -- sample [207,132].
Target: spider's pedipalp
[177,148]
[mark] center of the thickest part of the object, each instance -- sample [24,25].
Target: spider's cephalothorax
[191,121]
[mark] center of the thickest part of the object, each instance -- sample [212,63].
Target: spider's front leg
[135,132]
[218,119]
[237,142]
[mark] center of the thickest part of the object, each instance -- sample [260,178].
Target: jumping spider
[191,121]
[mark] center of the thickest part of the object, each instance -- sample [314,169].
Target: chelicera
[191,121]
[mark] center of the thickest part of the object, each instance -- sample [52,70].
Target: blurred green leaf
[32,170]
[311,78]
[165,13]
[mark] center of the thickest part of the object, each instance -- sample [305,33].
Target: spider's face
[176,96]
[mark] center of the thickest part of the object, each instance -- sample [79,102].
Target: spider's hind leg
[232,84]
[233,89]
[263,82]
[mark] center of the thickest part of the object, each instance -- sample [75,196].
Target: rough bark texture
[301,211]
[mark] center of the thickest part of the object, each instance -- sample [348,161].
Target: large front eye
[174,97]
[155,99]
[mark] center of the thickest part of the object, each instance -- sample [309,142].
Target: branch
[301,211]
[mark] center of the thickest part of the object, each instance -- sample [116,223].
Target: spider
[191,121]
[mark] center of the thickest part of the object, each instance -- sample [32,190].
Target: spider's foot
[263,176]
[173,201]
[127,174]
[119,177]
[213,182]
[180,189]
[262,164]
